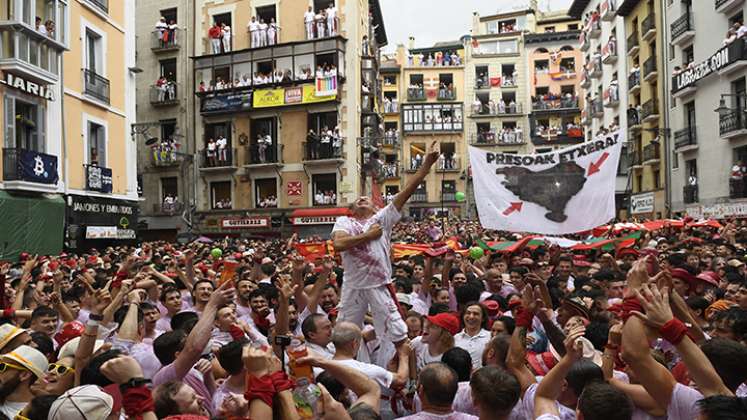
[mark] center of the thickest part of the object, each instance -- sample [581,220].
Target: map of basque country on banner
[567,190]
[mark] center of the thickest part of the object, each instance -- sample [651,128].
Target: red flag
[376,195]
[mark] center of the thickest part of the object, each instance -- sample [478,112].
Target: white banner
[564,191]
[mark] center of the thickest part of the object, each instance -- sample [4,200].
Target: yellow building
[284,118]
[68,164]
[555,69]
[428,86]
[647,132]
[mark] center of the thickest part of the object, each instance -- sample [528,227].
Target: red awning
[326,211]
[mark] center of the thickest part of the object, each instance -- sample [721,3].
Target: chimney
[411,43]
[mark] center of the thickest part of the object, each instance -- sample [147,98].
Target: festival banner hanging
[565,191]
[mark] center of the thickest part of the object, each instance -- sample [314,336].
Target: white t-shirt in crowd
[474,345]
[378,374]
[422,355]
[367,266]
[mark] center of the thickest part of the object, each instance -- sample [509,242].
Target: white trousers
[216,45]
[355,303]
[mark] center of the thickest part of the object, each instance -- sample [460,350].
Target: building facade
[69,176]
[286,115]
[707,109]
[649,135]
[604,46]
[430,108]
[555,67]
[166,161]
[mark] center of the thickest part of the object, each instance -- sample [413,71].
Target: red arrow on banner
[514,207]
[594,167]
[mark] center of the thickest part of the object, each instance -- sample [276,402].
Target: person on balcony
[161,85]
[272,32]
[226,32]
[254,31]
[312,143]
[325,143]
[308,20]
[215,33]
[50,27]
[162,30]
[331,20]
[172,32]
[41,28]
[321,23]
[211,153]
[477,106]
[501,106]
[262,33]
[222,144]
[512,107]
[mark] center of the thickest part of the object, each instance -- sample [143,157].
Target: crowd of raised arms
[461,323]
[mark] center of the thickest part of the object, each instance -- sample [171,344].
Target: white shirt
[331,12]
[327,352]
[474,345]
[10,409]
[422,355]
[221,142]
[308,17]
[253,26]
[380,375]
[367,266]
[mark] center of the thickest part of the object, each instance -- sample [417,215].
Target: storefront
[316,222]
[99,222]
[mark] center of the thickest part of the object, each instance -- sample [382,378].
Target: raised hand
[656,305]
[431,155]
[573,347]
[121,369]
[223,295]
[374,232]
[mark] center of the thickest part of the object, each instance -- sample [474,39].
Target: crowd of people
[391,105]
[166,32]
[322,24]
[491,107]
[654,327]
[437,59]
[268,202]
[166,88]
[738,30]
[506,135]
[325,198]
[222,203]
[277,76]
[165,151]
[570,129]
[551,100]
[507,80]
[324,144]
[263,33]
[217,152]
[46,28]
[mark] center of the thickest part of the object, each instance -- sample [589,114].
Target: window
[324,188]
[168,130]
[390,80]
[220,195]
[169,15]
[432,117]
[416,80]
[168,69]
[656,175]
[263,140]
[265,193]
[267,13]
[675,160]
[688,55]
[320,5]
[214,131]
[541,90]
[25,124]
[690,114]
[568,64]
[169,188]
[94,52]
[541,65]
[573,26]
[417,153]
[96,144]
[549,29]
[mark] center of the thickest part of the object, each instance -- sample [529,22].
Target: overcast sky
[431,21]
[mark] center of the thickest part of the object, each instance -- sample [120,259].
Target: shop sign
[718,211]
[245,223]
[295,188]
[306,94]
[720,59]
[27,87]
[98,179]
[642,203]
[237,101]
[314,220]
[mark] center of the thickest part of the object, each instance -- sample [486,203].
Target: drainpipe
[666,133]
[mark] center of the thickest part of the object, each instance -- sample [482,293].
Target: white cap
[87,402]
[28,357]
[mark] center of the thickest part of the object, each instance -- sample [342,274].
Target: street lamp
[722,108]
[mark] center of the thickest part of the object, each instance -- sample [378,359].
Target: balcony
[166,208]
[102,5]
[634,120]
[595,28]
[540,104]
[608,10]
[648,27]
[585,80]
[98,178]
[504,138]
[323,152]
[585,117]
[165,40]
[611,96]
[432,117]
[164,95]
[737,188]
[416,94]
[164,156]
[495,110]
[634,83]
[390,139]
[597,108]
[508,82]
[650,110]
[690,194]
[95,86]
[595,68]
[557,136]
[732,124]
[448,196]
[259,155]
[419,196]
[217,161]
[390,170]
[649,69]
[447,94]
[450,164]
[686,139]
[727,6]
[636,159]
[683,29]
[609,52]
[584,42]
[651,153]
[27,168]
[633,44]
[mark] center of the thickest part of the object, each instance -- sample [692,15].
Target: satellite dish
[151,141]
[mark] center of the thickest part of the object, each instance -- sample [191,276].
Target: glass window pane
[7,45]
[34,53]
[304,67]
[23,47]
[328,44]
[242,57]
[303,48]
[284,65]
[282,51]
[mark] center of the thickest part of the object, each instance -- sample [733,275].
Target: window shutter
[41,142]
[101,145]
